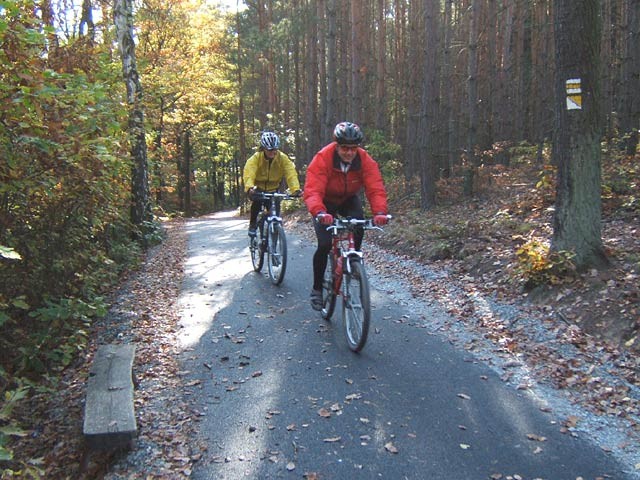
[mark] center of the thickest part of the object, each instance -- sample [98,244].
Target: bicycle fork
[343,266]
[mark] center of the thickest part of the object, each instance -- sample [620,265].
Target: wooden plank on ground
[109,419]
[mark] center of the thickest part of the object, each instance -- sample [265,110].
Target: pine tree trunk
[577,221]
[630,118]
[430,95]
[332,79]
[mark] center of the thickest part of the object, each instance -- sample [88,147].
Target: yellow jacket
[259,172]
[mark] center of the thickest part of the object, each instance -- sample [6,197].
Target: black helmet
[270,141]
[347,133]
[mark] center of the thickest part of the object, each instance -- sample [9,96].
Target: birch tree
[123,20]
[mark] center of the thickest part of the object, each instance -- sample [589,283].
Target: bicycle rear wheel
[356,306]
[256,251]
[277,254]
[328,293]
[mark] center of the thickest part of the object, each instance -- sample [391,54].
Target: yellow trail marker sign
[574,94]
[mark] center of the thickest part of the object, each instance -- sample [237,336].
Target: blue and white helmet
[270,141]
[347,133]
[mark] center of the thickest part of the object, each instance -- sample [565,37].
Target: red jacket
[326,182]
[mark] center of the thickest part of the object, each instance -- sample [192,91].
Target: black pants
[352,208]
[256,206]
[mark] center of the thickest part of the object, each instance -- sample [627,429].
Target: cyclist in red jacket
[335,177]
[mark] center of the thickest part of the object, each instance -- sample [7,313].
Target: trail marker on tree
[574,94]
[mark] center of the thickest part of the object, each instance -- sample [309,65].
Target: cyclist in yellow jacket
[264,172]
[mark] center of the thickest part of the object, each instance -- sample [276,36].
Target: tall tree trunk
[630,117]
[415,59]
[506,94]
[273,106]
[472,93]
[140,205]
[400,77]
[332,79]
[447,77]
[430,94]
[322,64]
[358,61]
[311,106]
[157,151]
[578,131]
[264,101]
[186,163]
[301,149]
[242,132]
[492,68]
[380,105]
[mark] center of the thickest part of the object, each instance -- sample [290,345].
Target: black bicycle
[346,277]
[270,238]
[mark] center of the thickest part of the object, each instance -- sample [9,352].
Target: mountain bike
[346,277]
[270,238]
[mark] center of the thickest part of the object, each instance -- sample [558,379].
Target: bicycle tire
[257,252]
[356,306]
[328,293]
[277,253]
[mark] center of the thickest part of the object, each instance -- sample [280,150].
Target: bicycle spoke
[277,253]
[328,293]
[356,309]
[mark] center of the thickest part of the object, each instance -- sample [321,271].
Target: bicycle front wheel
[328,293]
[257,252]
[356,306]
[277,254]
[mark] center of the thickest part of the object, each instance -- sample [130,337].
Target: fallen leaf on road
[464,446]
[464,397]
[323,412]
[390,447]
[332,439]
[291,466]
[571,421]
[536,438]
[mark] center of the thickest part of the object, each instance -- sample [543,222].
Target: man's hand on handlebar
[380,219]
[254,193]
[297,194]
[324,218]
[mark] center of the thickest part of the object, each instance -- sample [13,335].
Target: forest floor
[485,246]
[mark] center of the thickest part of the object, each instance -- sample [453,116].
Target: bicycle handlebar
[270,195]
[350,223]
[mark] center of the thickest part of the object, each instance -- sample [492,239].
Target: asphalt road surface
[280,395]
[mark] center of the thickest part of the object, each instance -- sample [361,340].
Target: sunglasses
[348,148]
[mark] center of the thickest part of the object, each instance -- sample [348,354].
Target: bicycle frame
[271,237]
[343,246]
[270,215]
